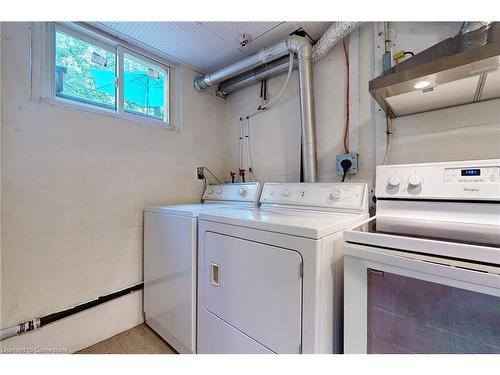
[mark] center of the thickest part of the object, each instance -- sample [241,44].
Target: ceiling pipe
[248,63]
[261,73]
[336,32]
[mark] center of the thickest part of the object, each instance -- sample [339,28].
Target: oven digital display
[471,172]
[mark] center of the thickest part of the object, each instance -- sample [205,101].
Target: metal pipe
[330,38]
[264,56]
[29,325]
[302,47]
[37,323]
[256,75]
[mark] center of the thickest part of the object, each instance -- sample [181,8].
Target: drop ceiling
[208,46]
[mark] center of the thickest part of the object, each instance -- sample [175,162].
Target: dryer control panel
[326,196]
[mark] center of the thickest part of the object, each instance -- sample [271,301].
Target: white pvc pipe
[5,333]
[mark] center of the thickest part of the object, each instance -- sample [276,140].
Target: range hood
[456,71]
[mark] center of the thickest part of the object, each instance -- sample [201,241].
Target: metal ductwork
[302,47]
[330,38]
[266,55]
[268,63]
[254,76]
[335,33]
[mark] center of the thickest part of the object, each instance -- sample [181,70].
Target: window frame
[101,39]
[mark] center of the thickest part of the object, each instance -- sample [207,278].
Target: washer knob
[210,191]
[336,194]
[285,193]
[394,180]
[243,192]
[219,191]
[415,180]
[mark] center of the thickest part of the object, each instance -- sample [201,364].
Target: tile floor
[138,340]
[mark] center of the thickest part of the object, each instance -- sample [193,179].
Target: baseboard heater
[37,323]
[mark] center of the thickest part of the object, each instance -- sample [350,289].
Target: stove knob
[271,193]
[285,193]
[414,180]
[243,192]
[394,180]
[210,191]
[219,191]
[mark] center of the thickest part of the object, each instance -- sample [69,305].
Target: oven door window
[408,315]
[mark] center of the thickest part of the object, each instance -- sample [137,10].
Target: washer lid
[309,224]
[190,210]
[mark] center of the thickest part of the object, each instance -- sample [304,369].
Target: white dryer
[270,278]
[170,246]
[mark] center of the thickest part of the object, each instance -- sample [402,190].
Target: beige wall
[74,186]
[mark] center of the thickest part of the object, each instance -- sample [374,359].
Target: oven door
[402,302]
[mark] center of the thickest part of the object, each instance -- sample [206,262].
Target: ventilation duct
[330,38]
[244,65]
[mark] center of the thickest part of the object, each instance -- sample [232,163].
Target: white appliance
[270,278]
[170,246]
[423,276]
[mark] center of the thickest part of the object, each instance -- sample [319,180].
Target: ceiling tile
[208,46]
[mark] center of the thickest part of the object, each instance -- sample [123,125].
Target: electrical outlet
[200,171]
[353,157]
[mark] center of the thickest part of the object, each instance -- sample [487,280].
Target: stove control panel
[319,195]
[238,192]
[465,180]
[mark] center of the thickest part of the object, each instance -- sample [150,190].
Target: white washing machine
[170,248]
[270,278]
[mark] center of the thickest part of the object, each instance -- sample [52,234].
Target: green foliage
[76,56]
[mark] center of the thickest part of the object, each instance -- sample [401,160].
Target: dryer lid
[301,223]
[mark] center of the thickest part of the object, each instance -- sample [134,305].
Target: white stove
[423,276]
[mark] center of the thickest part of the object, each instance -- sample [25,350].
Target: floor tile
[109,346]
[137,340]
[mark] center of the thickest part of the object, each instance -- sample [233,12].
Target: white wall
[74,186]
[466,132]
[1,37]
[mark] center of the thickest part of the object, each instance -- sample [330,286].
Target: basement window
[101,75]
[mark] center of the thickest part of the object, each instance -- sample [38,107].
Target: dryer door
[255,288]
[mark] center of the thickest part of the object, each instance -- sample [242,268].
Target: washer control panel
[465,180]
[320,195]
[238,192]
